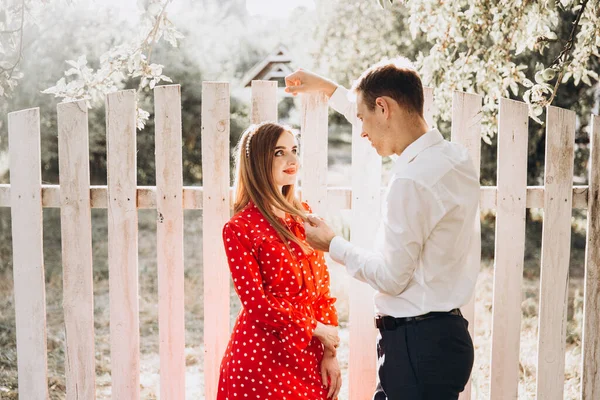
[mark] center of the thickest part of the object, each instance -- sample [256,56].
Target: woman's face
[285,160]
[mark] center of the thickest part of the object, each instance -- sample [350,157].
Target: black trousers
[425,360]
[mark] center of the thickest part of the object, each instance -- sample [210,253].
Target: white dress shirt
[419,263]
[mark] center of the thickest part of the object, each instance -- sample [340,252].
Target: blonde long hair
[254,181]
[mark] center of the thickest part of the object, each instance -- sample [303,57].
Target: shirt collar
[428,139]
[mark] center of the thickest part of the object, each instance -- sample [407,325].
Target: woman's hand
[328,335]
[331,374]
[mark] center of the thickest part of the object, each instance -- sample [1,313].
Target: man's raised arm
[303,81]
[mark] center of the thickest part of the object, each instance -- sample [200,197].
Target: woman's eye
[279,153]
[295,151]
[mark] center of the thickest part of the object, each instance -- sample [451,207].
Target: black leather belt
[391,323]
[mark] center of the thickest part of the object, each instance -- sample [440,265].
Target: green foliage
[89,33]
[477,46]
[482,46]
[354,34]
[12,26]
[128,60]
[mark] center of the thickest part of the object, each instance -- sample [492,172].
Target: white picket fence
[26,197]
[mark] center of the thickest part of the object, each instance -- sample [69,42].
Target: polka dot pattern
[272,353]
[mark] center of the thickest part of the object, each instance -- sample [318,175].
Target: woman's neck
[278,213]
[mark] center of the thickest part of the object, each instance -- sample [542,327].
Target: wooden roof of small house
[273,67]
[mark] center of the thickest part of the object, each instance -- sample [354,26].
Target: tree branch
[154,31]
[566,51]
[151,38]
[571,42]
[20,54]
[9,32]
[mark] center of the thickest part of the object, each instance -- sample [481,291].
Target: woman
[284,340]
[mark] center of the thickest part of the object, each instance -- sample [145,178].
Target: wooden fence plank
[123,245]
[466,130]
[264,101]
[556,244]
[169,237]
[428,106]
[590,374]
[76,228]
[314,151]
[509,249]
[366,208]
[28,256]
[216,212]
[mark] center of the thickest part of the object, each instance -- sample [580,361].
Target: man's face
[373,126]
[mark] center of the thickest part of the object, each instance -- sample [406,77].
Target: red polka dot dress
[272,353]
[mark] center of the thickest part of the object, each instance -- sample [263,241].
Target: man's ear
[382,106]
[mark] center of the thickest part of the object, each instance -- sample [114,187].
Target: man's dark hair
[395,78]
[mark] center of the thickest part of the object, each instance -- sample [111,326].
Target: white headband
[250,134]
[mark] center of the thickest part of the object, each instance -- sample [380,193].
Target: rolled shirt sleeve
[344,102]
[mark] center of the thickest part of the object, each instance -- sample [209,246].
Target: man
[419,265]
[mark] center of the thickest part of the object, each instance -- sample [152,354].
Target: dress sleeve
[293,327]
[325,311]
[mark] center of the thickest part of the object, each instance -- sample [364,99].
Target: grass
[194,310]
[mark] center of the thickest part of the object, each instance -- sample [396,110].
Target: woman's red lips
[290,171]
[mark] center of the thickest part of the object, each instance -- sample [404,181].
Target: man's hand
[331,375]
[303,81]
[318,234]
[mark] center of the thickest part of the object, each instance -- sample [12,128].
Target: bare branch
[9,32]
[562,58]
[571,42]
[20,54]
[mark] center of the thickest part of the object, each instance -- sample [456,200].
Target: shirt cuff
[339,98]
[338,249]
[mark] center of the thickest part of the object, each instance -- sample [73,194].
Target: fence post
[428,106]
[466,130]
[123,245]
[28,257]
[76,227]
[366,207]
[556,243]
[169,237]
[264,101]
[509,248]
[314,151]
[590,373]
[215,213]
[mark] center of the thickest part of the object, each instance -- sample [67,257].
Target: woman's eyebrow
[283,147]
